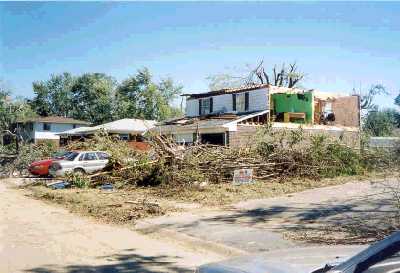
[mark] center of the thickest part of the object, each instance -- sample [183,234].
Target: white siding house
[46,128]
[242,101]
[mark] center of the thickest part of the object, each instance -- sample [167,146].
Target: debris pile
[275,155]
[17,164]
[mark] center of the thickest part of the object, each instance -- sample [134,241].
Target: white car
[80,162]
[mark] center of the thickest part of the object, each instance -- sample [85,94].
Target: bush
[319,156]
[78,180]
[381,123]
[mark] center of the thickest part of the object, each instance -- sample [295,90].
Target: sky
[339,46]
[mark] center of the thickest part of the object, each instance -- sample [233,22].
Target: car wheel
[79,171]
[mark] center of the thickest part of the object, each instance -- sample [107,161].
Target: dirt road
[36,237]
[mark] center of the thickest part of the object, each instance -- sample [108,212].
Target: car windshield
[71,156]
[60,154]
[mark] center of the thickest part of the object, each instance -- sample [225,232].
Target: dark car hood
[295,260]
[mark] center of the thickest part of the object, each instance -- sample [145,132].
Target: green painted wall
[296,103]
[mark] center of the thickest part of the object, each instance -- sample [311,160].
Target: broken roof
[55,119]
[122,126]
[226,91]
[271,89]
[127,126]
[222,121]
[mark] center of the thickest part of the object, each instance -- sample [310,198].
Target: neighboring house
[46,128]
[126,129]
[232,116]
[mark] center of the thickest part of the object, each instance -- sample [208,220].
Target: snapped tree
[285,76]
[11,111]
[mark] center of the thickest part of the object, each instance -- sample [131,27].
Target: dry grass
[120,207]
[129,204]
[226,193]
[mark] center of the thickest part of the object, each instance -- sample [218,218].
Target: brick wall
[245,135]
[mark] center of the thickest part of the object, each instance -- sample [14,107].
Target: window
[29,126]
[73,126]
[124,136]
[240,102]
[90,156]
[46,126]
[102,156]
[205,106]
[71,156]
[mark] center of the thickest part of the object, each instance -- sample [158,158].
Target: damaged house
[232,116]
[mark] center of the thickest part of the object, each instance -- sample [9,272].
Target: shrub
[78,180]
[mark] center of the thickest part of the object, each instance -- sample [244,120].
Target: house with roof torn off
[232,116]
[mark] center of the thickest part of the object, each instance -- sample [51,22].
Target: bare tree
[367,98]
[281,76]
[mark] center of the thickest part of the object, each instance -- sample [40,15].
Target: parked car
[41,167]
[381,257]
[80,162]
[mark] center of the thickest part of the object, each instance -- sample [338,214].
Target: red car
[41,167]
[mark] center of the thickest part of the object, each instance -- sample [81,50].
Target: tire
[79,171]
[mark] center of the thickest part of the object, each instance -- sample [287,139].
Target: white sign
[242,176]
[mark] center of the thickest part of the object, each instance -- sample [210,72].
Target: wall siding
[55,127]
[258,101]
[184,138]
[222,103]
[192,107]
[38,131]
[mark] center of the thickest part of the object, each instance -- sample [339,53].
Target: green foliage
[139,96]
[78,180]
[12,110]
[333,158]
[29,153]
[92,98]
[53,97]
[381,123]
[101,141]
[86,97]
[318,156]
[97,98]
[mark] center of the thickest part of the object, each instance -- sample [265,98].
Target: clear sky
[338,45]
